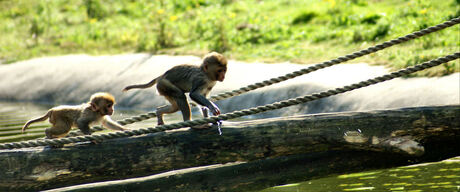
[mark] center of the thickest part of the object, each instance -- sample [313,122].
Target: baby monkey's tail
[44,117]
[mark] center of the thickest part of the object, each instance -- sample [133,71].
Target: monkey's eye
[109,105]
[220,71]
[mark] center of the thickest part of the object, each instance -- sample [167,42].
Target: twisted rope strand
[338,60]
[226,116]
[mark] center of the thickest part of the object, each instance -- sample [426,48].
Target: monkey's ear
[205,67]
[94,107]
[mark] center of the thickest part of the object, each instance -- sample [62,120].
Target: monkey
[64,117]
[198,80]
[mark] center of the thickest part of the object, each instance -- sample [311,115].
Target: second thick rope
[236,114]
[325,64]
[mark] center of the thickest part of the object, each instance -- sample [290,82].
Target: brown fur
[63,118]
[198,80]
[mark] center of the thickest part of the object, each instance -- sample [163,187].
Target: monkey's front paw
[215,111]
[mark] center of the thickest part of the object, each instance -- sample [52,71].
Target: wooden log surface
[249,176]
[360,138]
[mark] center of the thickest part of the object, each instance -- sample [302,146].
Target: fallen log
[315,142]
[250,176]
[254,176]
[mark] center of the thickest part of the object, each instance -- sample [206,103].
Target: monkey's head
[215,66]
[102,103]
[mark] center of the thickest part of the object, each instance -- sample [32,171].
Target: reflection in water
[12,118]
[439,176]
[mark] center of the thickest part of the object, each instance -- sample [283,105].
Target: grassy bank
[302,31]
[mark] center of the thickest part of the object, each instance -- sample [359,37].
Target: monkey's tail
[142,86]
[44,117]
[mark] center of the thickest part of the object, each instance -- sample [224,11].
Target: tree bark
[276,151]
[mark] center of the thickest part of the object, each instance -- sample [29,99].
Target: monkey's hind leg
[166,110]
[176,97]
[59,129]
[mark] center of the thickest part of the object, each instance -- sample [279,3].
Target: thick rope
[236,114]
[338,60]
[325,64]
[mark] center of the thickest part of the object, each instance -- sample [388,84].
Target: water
[428,177]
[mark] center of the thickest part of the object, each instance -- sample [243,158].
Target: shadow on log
[267,152]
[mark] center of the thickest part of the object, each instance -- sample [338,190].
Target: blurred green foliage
[303,31]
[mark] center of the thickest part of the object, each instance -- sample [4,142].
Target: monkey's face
[216,72]
[102,103]
[107,109]
[103,107]
[215,65]
[220,73]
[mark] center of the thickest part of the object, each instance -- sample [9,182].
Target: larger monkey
[198,80]
[63,118]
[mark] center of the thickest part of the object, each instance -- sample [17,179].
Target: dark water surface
[428,177]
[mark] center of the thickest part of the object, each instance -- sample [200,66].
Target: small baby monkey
[198,80]
[63,118]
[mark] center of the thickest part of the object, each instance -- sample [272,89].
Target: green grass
[302,31]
